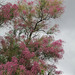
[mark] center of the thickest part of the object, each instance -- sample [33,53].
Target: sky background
[67,33]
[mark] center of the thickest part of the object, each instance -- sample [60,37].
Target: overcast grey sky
[67,28]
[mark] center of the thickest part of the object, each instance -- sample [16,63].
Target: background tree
[22,52]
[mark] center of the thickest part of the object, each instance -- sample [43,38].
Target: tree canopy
[21,51]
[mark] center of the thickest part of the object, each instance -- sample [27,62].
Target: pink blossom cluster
[36,68]
[55,71]
[48,47]
[58,72]
[45,46]
[8,68]
[26,54]
[55,7]
[22,45]
[8,11]
[54,50]
[12,68]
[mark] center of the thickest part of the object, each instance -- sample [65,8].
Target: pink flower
[14,59]
[1,72]
[24,12]
[22,45]
[23,36]
[45,11]
[58,72]
[16,26]
[10,67]
[22,67]
[30,3]
[25,0]
[32,11]
[22,61]
[15,7]
[36,68]
[42,61]
[2,41]
[1,67]
[27,54]
[51,49]
[57,43]
[15,12]
[51,10]
[10,32]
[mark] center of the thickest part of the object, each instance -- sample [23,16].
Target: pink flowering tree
[22,51]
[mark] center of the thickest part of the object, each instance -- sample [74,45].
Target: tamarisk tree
[22,51]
